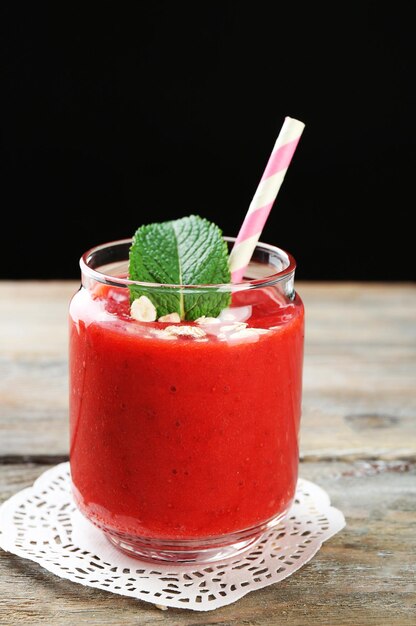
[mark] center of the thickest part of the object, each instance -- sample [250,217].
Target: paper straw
[265,195]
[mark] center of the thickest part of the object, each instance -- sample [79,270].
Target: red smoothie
[184,437]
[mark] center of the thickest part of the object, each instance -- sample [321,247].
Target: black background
[113,117]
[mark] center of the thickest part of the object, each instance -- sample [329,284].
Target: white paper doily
[42,524]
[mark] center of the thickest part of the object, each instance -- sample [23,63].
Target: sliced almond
[185,331]
[207,320]
[247,334]
[231,328]
[170,317]
[143,310]
[162,334]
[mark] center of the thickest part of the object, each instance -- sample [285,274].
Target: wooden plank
[33,316]
[33,366]
[360,370]
[359,374]
[365,575]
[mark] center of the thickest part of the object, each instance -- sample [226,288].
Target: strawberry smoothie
[184,433]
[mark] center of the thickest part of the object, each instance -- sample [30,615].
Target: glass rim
[114,281]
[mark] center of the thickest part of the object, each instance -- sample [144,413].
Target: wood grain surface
[358,441]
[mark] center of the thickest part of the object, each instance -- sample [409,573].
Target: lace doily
[42,524]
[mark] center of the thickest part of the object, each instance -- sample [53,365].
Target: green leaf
[187,251]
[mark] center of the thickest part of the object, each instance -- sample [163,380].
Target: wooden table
[358,441]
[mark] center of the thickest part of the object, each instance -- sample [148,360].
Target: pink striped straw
[264,198]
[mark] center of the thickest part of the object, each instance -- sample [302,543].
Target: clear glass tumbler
[184,437]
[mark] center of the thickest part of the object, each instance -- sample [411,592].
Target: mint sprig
[187,251]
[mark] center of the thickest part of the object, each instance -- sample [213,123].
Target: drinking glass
[184,437]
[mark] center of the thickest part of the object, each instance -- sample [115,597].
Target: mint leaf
[187,251]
